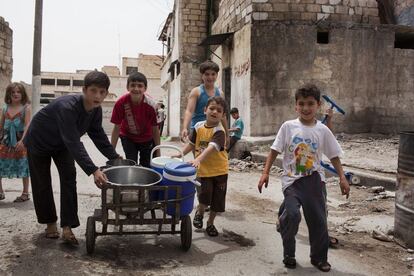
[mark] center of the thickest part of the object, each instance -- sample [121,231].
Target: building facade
[56,84]
[268,48]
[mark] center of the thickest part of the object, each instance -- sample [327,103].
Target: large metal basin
[131,176]
[120,162]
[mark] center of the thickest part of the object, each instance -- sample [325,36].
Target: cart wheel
[186,233]
[90,235]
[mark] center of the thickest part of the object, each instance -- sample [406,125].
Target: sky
[84,34]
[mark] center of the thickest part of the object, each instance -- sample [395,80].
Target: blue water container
[184,175]
[158,164]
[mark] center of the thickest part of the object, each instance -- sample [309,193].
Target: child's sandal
[289,262]
[212,231]
[24,197]
[322,266]
[198,221]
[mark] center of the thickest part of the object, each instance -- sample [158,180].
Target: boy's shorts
[213,192]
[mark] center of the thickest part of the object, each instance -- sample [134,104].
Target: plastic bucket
[184,175]
[158,164]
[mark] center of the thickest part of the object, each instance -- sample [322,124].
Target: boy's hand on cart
[99,178]
[264,180]
[120,157]
[195,163]
[184,135]
[345,188]
[176,156]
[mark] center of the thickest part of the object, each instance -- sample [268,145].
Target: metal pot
[120,162]
[130,176]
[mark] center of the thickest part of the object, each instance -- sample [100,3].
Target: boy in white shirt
[303,141]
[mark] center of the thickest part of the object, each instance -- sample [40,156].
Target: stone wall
[360,11]
[359,68]
[404,12]
[233,15]
[192,30]
[6,60]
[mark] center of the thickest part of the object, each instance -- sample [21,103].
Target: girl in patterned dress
[15,118]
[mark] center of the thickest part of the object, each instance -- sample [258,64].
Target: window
[47,81]
[131,69]
[47,95]
[323,37]
[78,82]
[63,82]
[404,40]
[45,101]
[178,68]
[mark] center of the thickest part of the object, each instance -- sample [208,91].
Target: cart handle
[194,181]
[169,147]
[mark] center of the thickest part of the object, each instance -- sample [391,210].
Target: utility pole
[37,56]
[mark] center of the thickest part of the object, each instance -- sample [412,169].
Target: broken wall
[359,68]
[404,12]
[6,53]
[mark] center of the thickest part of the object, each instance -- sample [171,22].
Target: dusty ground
[249,245]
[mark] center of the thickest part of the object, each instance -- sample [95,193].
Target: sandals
[52,232]
[69,239]
[333,242]
[198,221]
[24,197]
[2,196]
[289,262]
[211,230]
[322,266]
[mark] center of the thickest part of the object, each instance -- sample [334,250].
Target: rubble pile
[380,193]
[247,165]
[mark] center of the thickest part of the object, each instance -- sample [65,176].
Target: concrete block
[341,9]
[308,16]
[370,11]
[328,9]
[322,2]
[193,17]
[313,8]
[281,7]
[259,1]
[334,2]
[239,149]
[260,16]
[249,9]
[351,11]
[372,4]
[362,3]
[322,16]
[196,12]
[298,7]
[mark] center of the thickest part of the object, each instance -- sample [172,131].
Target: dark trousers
[309,193]
[233,141]
[39,165]
[132,149]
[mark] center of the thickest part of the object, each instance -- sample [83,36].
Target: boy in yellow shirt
[208,139]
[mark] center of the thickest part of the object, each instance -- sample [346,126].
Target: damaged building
[359,52]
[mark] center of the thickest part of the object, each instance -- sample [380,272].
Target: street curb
[367,179]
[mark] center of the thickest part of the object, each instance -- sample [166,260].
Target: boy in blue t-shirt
[237,128]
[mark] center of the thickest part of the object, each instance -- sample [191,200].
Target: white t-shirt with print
[303,147]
